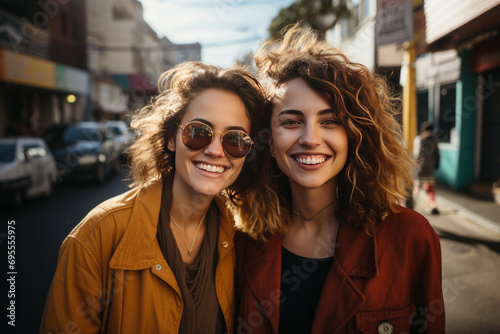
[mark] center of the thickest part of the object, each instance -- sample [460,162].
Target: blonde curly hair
[378,172]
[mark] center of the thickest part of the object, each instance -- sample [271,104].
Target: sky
[226,29]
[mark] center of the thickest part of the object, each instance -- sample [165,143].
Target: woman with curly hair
[346,258]
[160,258]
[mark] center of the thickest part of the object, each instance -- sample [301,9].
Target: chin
[209,189]
[310,184]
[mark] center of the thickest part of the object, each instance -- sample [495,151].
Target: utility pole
[409,96]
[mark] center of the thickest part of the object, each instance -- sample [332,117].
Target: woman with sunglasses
[346,258]
[160,258]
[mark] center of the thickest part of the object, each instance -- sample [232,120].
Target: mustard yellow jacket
[111,276]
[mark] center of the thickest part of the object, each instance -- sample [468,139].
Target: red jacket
[391,279]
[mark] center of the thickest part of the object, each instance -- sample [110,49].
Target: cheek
[238,165]
[278,140]
[280,145]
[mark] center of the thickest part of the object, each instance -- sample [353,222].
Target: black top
[302,280]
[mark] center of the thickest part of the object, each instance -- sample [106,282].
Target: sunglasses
[197,135]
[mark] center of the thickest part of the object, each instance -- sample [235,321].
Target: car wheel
[100,174]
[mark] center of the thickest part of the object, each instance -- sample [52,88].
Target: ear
[171,144]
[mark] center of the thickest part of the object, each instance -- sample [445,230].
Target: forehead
[298,95]
[221,108]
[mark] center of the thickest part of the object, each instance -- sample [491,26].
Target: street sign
[394,22]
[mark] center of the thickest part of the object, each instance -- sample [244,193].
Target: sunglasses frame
[212,131]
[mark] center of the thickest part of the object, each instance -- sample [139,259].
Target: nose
[311,135]
[215,148]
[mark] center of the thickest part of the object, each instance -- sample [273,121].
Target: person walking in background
[160,258]
[426,153]
[346,257]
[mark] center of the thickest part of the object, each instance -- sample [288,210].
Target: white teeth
[311,161]
[210,168]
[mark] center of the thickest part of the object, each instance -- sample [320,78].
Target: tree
[319,15]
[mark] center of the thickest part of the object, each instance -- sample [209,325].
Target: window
[345,28]
[367,7]
[7,152]
[447,103]
[32,151]
[422,107]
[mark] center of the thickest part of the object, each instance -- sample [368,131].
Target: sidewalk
[483,212]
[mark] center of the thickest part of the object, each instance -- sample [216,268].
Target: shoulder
[407,226]
[105,213]
[247,248]
[112,216]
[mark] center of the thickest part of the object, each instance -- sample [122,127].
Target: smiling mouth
[310,159]
[210,168]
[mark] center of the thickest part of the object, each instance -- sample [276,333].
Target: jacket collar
[355,256]
[139,248]
[356,252]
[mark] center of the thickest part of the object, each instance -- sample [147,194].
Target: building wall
[361,46]
[152,55]
[48,61]
[356,38]
[117,38]
[124,60]
[458,157]
[443,17]
[174,54]
[466,122]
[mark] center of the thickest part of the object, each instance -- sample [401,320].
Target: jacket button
[385,327]
[158,267]
[225,244]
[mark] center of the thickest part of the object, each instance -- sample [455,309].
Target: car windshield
[75,133]
[7,152]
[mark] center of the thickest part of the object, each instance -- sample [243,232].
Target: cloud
[214,24]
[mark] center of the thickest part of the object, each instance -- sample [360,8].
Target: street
[470,256]
[40,229]
[471,269]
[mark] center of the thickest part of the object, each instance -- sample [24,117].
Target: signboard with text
[394,22]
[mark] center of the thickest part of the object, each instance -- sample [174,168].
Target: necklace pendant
[190,252]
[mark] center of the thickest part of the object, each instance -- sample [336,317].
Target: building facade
[458,79]
[125,57]
[174,54]
[43,66]
[460,86]
[355,36]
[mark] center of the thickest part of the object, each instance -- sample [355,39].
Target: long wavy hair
[378,172]
[157,123]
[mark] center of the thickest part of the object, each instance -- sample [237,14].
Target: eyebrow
[300,113]
[201,120]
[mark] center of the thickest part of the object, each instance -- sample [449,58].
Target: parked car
[84,150]
[27,169]
[124,136]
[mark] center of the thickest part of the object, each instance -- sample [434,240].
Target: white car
[123,135]
[27,169]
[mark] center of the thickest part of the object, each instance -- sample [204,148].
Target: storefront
[35,93]
[485,62]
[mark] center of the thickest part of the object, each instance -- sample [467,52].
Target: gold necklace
[317,213]
[190,249]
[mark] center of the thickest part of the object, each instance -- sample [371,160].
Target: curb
[474,217]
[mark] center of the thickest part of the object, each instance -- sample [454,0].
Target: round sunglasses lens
[236,143]
[196,136]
